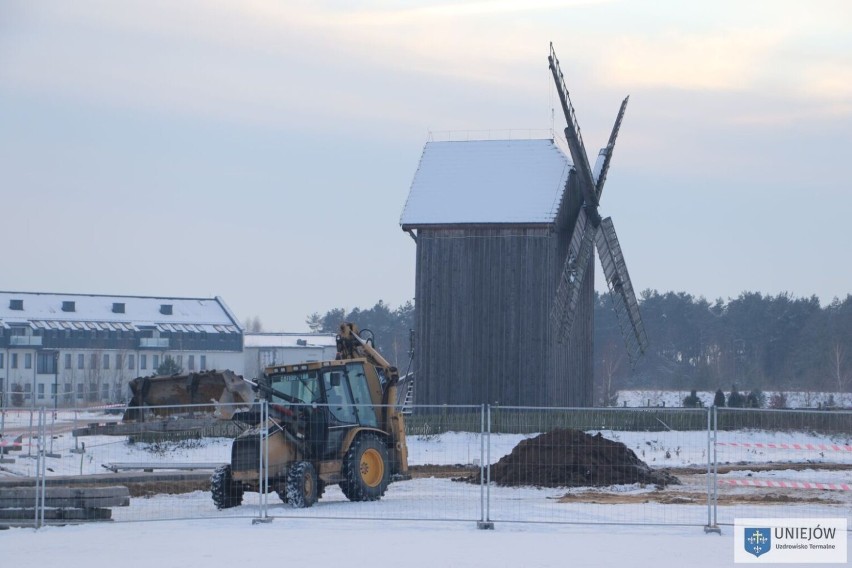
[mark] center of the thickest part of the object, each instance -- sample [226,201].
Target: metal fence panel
[568,465]
[445,445]
[156,468]
[772,463]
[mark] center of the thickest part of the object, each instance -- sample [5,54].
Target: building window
[143,361]
[81,361]
[155,362]
[28,360]
[190,362]
[131,362]
[80,391]
[40,391]
[179,361]
[28,389]
[13,360]
[1,360]
[106,361]
[105,391]
[203,362]
[46,363]
[118,360]
[93,363]
[53,390]
[67,360]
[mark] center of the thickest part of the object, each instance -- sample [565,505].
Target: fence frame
[490,421]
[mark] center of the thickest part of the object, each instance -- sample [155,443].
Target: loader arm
[351,345]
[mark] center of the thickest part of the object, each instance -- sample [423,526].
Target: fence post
[40,471]
[712,483]
[30,433]
[481,465]
[43,463]
[715,467]
[263,466]
[485,522]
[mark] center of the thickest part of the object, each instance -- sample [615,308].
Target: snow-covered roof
[487,181]
[101,312]
[289,340]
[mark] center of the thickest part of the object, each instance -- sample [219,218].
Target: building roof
[487,181]
[286,340]
[98,312]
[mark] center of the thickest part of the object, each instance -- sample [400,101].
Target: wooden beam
[65,497]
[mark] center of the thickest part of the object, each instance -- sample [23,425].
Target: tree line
[753,342]
[391,328]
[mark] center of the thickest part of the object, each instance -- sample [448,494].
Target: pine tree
[735,399]
[169,367]
[692,401]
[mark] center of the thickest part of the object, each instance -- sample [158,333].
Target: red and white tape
[786,484]
[810,447]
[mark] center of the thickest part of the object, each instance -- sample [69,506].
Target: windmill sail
[571,279]
[621,291]
[602,166]
[572,133]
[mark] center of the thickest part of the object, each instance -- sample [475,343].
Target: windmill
[591,231]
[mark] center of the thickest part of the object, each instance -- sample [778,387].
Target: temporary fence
[592,473]
[762,470]
[483,464]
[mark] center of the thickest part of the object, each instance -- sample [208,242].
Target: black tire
[366,469]
[225,491]
[302,489]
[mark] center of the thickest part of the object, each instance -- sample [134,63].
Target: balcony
[25,341]
[154,343]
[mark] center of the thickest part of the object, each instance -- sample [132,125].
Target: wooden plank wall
[483,299]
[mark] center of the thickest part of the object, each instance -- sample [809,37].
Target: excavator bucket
[221,390]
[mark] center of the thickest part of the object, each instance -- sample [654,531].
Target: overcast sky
[263,150]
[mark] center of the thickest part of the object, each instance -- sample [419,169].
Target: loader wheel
[366,472]
[226,492]
[302,488]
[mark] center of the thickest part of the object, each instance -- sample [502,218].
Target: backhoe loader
[329,422]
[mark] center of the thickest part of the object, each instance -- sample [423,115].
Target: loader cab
[330,398]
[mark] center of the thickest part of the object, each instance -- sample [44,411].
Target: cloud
[304,63]
[728,61]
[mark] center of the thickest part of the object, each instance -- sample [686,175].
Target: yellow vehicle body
[330,422]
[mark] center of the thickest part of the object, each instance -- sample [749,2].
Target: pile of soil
[572,458]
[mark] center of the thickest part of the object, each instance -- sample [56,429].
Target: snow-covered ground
[306,542]
[538,527]
[658,449]
[674,398]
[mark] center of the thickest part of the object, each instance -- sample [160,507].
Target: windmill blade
[571,280]
[621,291]
[605,156]
[572,133]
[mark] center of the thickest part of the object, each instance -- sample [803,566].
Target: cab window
[361,394]
[338,397]
[297,388]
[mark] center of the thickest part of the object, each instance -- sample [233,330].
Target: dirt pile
[572,458]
